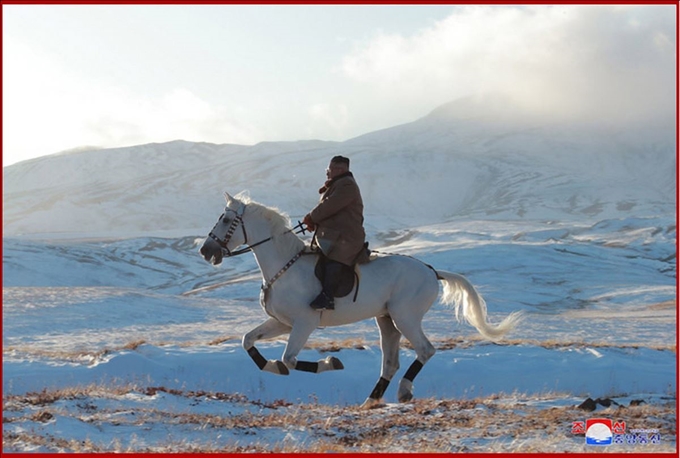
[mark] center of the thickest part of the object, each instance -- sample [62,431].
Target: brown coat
[339,220]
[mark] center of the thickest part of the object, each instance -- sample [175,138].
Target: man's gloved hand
[307,221]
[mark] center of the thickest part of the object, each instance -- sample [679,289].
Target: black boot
[322,301]
[331,280]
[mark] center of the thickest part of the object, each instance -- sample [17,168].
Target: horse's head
[225,236]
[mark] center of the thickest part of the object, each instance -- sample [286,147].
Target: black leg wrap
[307,366]
[380,388]
[413,370]
[257,357]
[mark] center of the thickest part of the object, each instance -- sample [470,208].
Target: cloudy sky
[118,75]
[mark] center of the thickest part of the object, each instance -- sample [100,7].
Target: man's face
[335,169]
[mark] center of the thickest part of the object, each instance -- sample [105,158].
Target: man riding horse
[398,292]
[338,221]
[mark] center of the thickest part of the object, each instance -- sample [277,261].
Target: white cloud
[327,120]
[179,114]
[50,108]
[610,62]
[571,60]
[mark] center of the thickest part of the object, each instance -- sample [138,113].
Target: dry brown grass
[93,356]
[471,341]
[495,423]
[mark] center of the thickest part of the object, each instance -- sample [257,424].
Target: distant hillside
[472,158]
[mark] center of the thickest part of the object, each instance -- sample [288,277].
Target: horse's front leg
[299,335]
[267,330]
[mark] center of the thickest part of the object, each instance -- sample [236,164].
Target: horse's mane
[280,225]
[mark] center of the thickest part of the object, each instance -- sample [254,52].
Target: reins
[238,220]
[297,229]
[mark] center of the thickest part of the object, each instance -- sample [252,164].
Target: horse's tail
[460,293]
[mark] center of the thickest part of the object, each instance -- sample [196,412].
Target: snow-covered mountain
[475,157]
[104,287]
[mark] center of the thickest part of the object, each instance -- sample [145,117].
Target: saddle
[347,276]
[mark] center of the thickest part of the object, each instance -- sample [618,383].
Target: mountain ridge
[429,170]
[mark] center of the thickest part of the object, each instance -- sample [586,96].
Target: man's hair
[341,160]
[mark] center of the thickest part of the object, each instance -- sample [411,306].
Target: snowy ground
[127,345]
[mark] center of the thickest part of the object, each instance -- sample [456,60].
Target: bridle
[238,221]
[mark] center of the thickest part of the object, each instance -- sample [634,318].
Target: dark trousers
[329,272]
[331,276]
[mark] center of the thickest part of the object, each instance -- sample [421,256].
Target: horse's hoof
[335,363]
[371,403]
[276,367]
[283,369]
[405,393]
[405,397]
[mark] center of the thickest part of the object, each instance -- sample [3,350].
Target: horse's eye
[225,220]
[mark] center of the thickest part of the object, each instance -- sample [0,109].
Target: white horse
[395,290]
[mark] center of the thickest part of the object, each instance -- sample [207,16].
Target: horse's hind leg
[267,330]
[389,344]
[413,331]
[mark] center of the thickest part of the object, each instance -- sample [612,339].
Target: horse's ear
[227,197]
